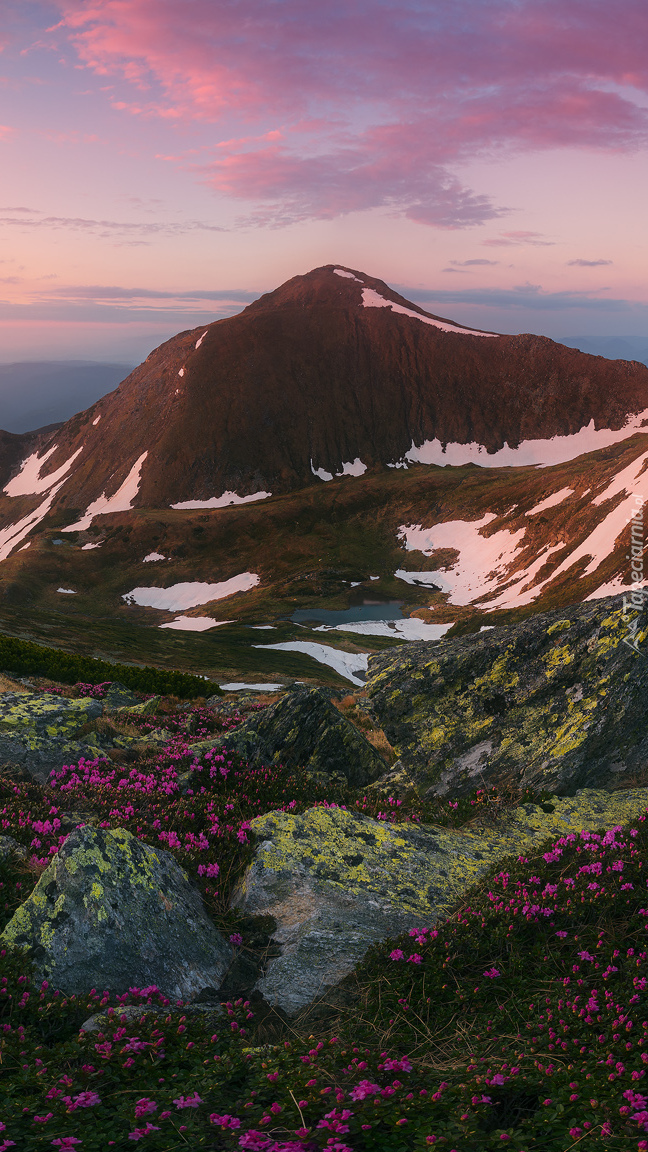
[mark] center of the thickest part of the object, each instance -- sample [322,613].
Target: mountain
[332,373]
[295,457]
[39,392]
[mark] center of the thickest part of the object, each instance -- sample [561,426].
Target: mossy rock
[303,729]
[146,708]
[555,703]
[335,882]
[38,731]
[111,912]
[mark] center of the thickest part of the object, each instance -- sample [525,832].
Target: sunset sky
[163,162]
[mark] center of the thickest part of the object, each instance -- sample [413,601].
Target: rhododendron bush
[520,1020]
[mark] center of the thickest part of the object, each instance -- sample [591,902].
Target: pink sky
[165,161]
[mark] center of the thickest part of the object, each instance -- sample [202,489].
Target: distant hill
[34,393]
[612,347]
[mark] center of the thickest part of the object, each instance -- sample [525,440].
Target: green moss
[405,863]
[559,626]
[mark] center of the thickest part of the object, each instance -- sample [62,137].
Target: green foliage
[23,658]
[518,1021]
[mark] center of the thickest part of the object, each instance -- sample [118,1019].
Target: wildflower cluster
[519,1020]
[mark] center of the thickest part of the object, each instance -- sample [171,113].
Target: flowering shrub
[518,1020]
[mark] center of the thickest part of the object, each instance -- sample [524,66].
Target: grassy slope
[306,546]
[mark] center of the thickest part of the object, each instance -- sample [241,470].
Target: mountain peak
[332,374]
[335,286]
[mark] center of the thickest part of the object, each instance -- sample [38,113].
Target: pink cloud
[517,239]
[6,132]
[358,104]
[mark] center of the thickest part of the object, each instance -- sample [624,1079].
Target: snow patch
[412,629]
[200,339]
[191,593]
[612,588]
[348,664]
[550,501]
[537,453]
[181,372]
[423,578]
[223,501]
[348,275]
[349,468]
[152,557]
[121,501]
[600,543]
[27,545]
[482,562]
[28,482]
[371,299]
[68,591]
[353,468]
[87,547]
[96,421]
[520,590]
[195,623]
[321,473]
[14,533]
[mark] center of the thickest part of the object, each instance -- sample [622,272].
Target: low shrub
[517,1021]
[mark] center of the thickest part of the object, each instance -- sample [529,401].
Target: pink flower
[7,1144]
[83,1100]
[236,938]
[364,1089]
[144,1106]
[188,1101]
[491,973]
[397,954]
[139,1132]
[225,1121]
[397,1065]
[255,1141]
[414,958]
[66,1143]
[43,1119]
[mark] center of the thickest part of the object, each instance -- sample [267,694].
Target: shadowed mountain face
[331,374]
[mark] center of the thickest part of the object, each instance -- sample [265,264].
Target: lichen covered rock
[39,731]
[557,702]
[336,882]
[111,913]
[303,729]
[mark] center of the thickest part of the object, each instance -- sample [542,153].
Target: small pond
[367,609]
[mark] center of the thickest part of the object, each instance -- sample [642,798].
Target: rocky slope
[556,702]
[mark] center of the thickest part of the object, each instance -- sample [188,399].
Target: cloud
[469,263]
[587,263]
[523,296]
[516,239]
[319,110]
[112,292]
[6,132]
[106,229]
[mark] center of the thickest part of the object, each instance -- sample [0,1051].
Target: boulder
[117,695]
[335,882]
[146,708]
[303,729]
[111,912]
[39,731]
[557,702]
[10,847]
